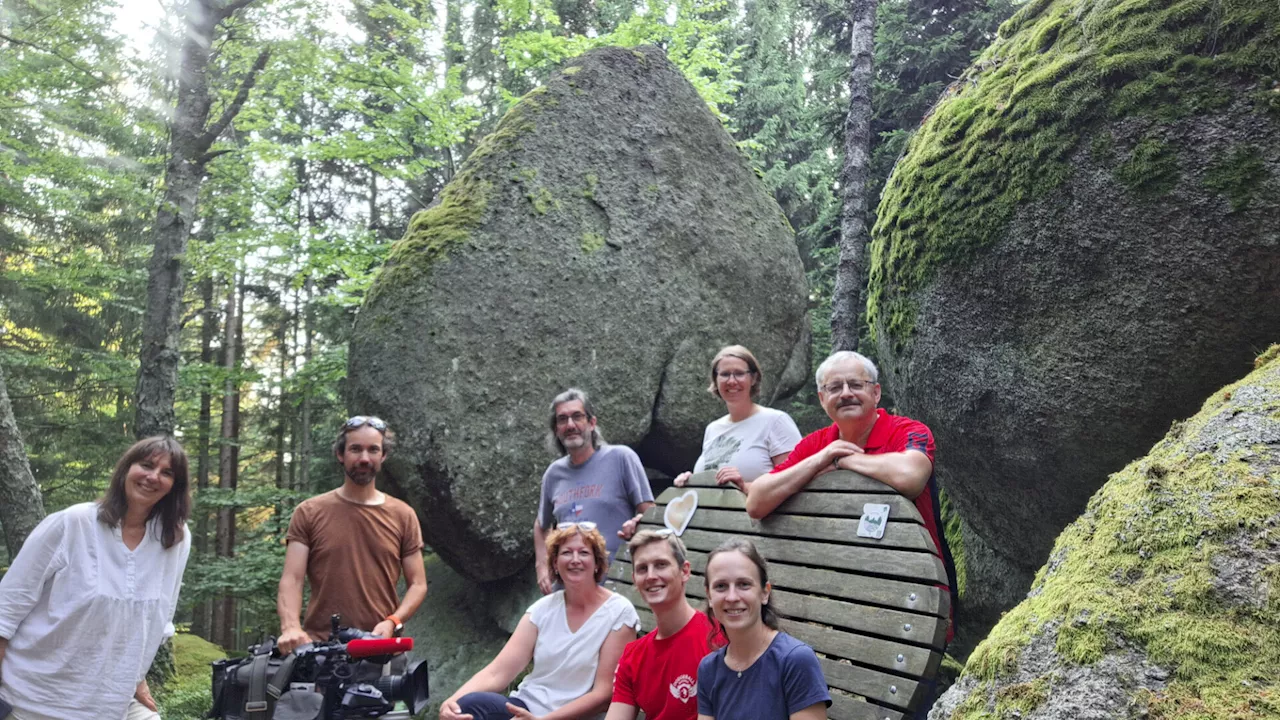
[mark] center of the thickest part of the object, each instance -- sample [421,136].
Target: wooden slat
[906,536]
[893,690]
[894,624]
[916,661]
[918,567]
[847,707]
[915,598]
[875,652]
[843,505]
[837,481]
[884,688]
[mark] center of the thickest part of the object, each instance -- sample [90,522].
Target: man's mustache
[847,402]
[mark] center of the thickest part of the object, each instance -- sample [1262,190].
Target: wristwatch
[397,626]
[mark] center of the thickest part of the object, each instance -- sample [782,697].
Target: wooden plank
[919,567]
[893,624]
[836,481]
[846,505]
[893,690]
[915,598]
[896,657]
[911,660]
[848,707]
[907,536]
[885,688]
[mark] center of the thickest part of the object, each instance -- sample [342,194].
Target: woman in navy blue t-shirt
[763,673]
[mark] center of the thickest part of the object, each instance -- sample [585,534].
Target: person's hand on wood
[629,527]
[729,475]
[835,451]
[683,478]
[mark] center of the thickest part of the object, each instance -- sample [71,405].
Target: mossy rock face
[1163,599]
[453,630]
[608,236]
[1081,240]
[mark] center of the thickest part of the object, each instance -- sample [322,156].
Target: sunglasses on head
[584,525]
[357,421]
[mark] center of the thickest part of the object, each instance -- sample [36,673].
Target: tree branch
[230,9]
[229,113]
[205,158]
[101,82]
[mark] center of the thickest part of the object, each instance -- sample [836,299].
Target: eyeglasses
[356,421]
[734,374]
[578,418]
[584,525]
[835,388]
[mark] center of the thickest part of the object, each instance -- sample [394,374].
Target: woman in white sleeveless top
[573,636]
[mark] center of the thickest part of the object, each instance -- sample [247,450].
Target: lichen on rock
[1162,596]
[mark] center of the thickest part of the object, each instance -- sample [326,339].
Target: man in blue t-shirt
[592,482]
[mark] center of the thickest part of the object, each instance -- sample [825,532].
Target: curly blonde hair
[558,537]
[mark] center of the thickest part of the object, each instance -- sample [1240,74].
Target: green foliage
[1004,131]
[188,696]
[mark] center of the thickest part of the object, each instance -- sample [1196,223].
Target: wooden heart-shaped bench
[871,609]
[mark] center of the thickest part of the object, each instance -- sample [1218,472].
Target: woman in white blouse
[751,439]
[573,636]
[90,597]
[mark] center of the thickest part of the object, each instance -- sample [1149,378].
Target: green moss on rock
[1003,134]
[1237,176]
[1151,170]
[433,232]
[1143,568]
[592,242]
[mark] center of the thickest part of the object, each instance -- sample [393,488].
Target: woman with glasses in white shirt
[91,594]
[574,637]
[751,439]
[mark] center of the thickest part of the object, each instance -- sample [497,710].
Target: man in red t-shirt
[659,672]
[895,450]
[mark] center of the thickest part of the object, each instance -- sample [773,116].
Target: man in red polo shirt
[895,450]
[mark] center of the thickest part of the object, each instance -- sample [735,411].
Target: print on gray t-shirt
[604,490]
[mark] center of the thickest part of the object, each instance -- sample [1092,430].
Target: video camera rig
[340,678]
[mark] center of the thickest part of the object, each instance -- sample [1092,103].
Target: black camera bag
[247,688]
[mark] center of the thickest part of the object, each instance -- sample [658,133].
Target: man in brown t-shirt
[352,545]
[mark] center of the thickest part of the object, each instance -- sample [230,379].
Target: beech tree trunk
[224,609]
[855,234]
[21,507]
[190,137]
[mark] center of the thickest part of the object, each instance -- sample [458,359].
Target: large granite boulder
[608,235]
[1081,241]
[1163,599]
[453,631]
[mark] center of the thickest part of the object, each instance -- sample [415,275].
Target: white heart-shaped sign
[680,511]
